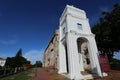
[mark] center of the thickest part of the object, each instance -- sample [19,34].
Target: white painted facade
[76,51]
[2,62]
[74,31]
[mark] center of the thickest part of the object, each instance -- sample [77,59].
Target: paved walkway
[42,74]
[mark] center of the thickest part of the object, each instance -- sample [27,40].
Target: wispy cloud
[104,8]
[95,17]
[8,42]
[34,55]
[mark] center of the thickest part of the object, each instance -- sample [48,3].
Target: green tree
[38,64]
[0,67]
[19,53]
[107,32]
[10,62]
[113,20]
[19,59]
[16,61]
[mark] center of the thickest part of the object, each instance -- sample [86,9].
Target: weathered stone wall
[51,53]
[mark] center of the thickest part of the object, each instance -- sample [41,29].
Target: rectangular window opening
[79,26]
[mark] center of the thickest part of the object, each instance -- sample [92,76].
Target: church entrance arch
[83,52]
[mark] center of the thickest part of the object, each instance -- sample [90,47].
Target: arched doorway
[84,59]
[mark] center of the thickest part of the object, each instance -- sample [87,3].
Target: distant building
[2,62]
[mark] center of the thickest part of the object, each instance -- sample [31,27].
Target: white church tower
[78,54]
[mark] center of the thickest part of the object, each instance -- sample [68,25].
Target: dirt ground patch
[42,74]
[112,75]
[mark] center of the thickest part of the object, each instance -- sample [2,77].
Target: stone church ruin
[72,51]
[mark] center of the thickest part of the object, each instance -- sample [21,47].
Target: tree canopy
[107,32]
[16,61]
[38,64]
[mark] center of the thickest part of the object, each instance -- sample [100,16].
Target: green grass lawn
[25,75]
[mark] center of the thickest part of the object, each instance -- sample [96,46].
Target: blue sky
[29,24]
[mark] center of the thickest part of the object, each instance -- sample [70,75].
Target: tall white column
[73,61]
[62,56]
[94,56]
